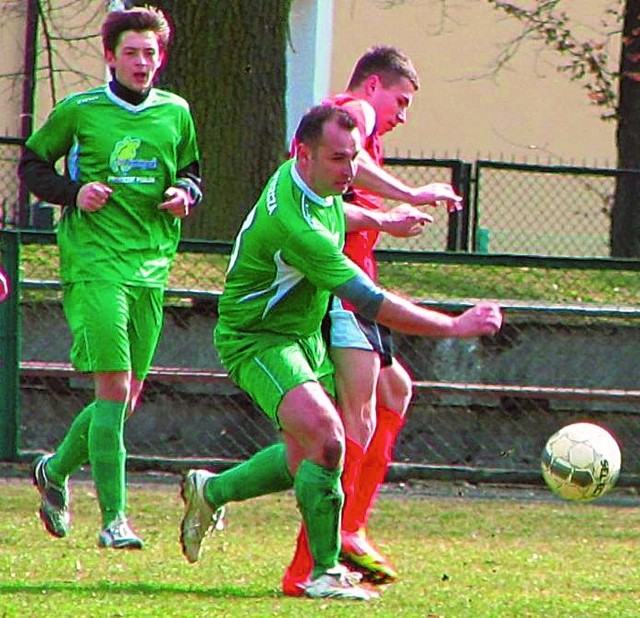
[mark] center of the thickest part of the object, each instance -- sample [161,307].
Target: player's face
[329,168]
[136,59]
[391,104]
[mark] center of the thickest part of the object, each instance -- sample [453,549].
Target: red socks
[363,473]
[373,468]
[299,571]
[351,478]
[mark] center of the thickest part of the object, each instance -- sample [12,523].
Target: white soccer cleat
[199,517]
[119,535]
[54,504]
[338,583]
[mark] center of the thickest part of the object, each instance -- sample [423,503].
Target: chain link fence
[510,208]
[543,210]
[482,409]
[10,186]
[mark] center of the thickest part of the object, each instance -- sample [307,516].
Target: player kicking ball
[286,262]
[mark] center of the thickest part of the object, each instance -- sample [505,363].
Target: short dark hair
[138,19]
[311,125]
[386,61]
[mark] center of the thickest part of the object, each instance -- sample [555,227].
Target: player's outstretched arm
[403,221]
[402,315]
[372,177]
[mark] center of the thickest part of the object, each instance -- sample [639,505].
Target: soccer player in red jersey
[4,285]
[373,388]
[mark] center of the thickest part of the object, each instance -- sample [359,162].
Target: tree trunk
[625,215]
[228,60]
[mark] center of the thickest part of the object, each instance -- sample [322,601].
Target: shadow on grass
[140,588]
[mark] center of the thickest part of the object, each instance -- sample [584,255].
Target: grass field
[434,281]
[462,551]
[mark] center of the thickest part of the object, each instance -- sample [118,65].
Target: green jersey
[136,150]
[286,260]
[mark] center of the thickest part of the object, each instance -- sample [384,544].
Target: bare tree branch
[587,60]
[48,48]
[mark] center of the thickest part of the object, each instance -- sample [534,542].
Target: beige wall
[11,59]
[78,64]
[528,110]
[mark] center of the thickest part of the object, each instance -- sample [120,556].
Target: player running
[132,173]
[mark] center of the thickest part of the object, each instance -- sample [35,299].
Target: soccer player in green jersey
[286,262]
[131,174]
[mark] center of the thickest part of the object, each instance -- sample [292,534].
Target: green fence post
[10,348]
[483,235]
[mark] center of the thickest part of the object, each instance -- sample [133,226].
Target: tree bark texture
[227,58]
[625,215]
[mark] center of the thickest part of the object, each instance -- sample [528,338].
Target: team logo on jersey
[123,157]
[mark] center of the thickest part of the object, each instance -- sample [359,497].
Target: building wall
[78,64]
[528,110]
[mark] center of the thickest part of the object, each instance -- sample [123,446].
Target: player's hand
[93,196]
[405,221]
[483,319]
[437,192]
[177,202]
[4,285]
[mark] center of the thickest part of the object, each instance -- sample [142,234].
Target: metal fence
[10,196]
[482,408]
[542,210]
[510,208]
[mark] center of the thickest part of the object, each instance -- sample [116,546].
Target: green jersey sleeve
[286,260]
[55,137]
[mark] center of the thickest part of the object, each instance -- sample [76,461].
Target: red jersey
[359,245]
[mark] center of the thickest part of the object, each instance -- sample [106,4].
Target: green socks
[107,457]
[318,492]
[264,473]
[73,452]
[320,499]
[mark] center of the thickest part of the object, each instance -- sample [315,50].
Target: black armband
[189,179]
[363,294]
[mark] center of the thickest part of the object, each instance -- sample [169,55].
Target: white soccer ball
[581,461]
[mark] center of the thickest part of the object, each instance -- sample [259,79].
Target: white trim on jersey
[327,202]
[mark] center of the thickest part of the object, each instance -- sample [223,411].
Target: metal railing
[481,410]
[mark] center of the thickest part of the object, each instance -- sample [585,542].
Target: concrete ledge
[185,374]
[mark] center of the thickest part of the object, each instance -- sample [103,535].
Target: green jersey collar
[309,193]
[114,98]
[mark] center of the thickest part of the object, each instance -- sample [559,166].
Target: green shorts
[267,367]
[115,327]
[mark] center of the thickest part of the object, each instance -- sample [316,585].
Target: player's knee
[333,452]
[113,385]
[396,389]
[333,445]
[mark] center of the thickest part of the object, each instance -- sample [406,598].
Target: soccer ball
[581,461]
